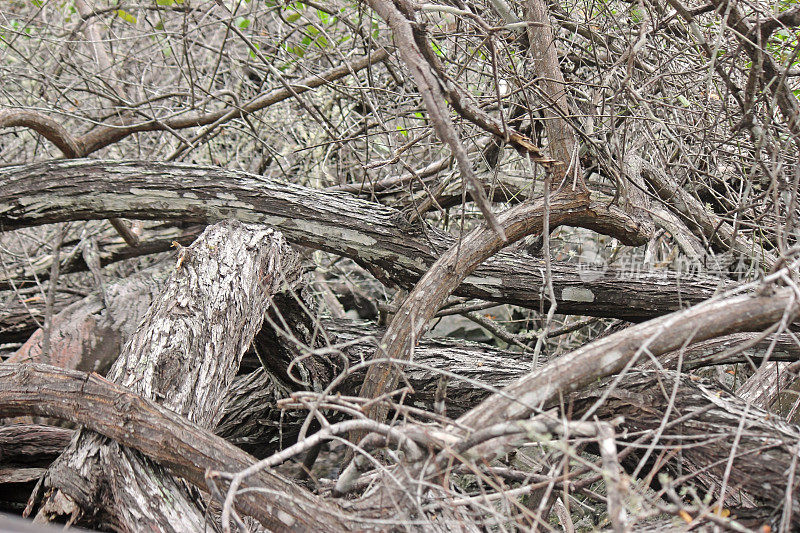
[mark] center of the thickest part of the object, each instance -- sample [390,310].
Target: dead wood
[185,353]
[160,434]
[90,333]
[373,235]
[611,354]
[722,440]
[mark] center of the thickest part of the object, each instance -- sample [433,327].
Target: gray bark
[184,354]
[90,333]
[374,235]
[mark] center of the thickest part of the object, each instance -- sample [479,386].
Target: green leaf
[165,2]
[243,23]
[293,17]
[127,17]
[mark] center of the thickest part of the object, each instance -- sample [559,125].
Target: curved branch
[412,319]
[610,355]
[106,135]
[110,133]
[44,126]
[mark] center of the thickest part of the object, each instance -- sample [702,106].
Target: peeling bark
[184,354]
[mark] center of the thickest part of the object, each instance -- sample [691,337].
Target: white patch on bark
[487,283]
[348,235]
[153,193]
[577,294]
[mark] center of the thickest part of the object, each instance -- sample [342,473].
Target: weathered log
[89,334]
[611,354]
[709,418]
[32,444]
[185,354]
[26,450]
[254,422]
[372,234]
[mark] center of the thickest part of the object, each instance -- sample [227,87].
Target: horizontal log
[719,435]
[375,236]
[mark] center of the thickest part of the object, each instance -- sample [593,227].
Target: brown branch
[112,132]
[428,295]
[44,126]
[560,136]
[106,135]
[166,437]
[428,84]
[610,355]
[703,221]
[70,147]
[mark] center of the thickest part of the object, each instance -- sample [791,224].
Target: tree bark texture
[90,333]
[162,435]
[703,422]
[184,354]
[711,427]
[374,235]
[612,354]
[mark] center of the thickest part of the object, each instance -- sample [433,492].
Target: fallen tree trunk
[374,235]
[20,316]
[185,354]
[723,440]
[704,421]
